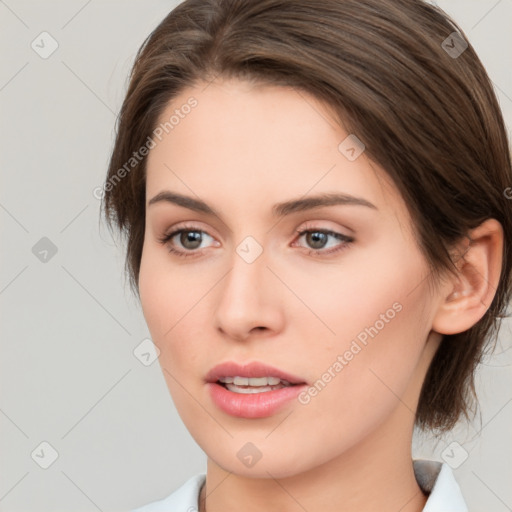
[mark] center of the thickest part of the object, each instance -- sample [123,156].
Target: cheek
[378,318]
[365,289]
[154,294]
[163,291]
[172,299]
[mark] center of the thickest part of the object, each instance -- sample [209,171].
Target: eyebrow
[278,210]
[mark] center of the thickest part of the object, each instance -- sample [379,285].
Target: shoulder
[183,499]
[437,480]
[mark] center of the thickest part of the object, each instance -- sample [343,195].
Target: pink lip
[256,405]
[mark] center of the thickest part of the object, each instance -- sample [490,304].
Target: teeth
[248,385]
[256,389]
[254,381]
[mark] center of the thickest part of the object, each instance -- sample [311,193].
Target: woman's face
[348,322]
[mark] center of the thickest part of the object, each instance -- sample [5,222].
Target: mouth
[253,390]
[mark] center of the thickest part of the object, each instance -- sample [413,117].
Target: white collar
[437,479]
[434,478]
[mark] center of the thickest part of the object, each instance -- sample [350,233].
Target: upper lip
[254,369]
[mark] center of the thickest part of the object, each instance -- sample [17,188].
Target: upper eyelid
[189,226]
[196,225]
[178,227]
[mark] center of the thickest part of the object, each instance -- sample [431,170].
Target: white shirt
[434,478]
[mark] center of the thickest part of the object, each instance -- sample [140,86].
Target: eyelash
[347,241]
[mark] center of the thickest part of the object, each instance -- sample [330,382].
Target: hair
[429,117]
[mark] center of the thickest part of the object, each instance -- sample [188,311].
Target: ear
[465,298]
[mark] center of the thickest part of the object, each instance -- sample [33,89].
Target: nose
[249,300]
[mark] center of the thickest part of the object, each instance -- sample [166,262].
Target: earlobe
[466,297]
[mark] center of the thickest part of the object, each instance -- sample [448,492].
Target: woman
[313,198]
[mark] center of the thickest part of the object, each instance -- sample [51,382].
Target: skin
[242,149]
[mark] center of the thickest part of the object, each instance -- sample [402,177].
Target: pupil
[190,236]
[317,236]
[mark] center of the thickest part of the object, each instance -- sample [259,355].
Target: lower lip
[252,405]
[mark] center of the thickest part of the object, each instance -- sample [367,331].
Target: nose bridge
[247,271]
[247,295]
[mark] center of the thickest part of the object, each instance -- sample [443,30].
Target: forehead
[248,143]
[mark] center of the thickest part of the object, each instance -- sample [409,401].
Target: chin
[267,461]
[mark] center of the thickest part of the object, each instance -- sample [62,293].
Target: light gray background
[69,325]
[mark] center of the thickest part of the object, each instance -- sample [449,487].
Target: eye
[190,238]
[318,239]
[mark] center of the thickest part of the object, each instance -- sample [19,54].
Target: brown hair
[390,72]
